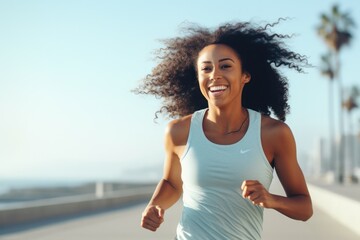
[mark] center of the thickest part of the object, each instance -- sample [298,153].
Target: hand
[256,193]
[152,217]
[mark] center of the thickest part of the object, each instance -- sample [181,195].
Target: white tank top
[212,175]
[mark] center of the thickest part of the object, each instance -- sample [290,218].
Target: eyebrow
[221,60]
[224,59]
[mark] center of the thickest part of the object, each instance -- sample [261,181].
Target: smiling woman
[221,152]
[219,71]
[175,81]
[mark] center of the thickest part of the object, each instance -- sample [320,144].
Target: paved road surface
[124,224]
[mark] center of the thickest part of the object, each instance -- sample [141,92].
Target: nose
[215,74]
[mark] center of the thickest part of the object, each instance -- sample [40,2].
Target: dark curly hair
[174,79]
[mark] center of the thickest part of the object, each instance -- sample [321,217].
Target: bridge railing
[62,206]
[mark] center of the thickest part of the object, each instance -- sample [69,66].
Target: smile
[217,88]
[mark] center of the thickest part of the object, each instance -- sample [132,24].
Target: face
[220,75]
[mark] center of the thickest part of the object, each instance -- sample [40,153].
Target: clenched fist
[152,217]
[256,193]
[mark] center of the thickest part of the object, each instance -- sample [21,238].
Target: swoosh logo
[244,151]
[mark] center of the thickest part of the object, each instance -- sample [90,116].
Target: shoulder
[275,127]
[177,130]
[277,137]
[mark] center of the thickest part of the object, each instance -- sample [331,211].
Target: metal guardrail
[343,209]
[62,206]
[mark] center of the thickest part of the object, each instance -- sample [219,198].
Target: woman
[221,151]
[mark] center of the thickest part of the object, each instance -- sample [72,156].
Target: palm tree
[335,30]
[350,104]
[327,70]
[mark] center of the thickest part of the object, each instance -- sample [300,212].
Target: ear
[246,78]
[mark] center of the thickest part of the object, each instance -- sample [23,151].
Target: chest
[223,167]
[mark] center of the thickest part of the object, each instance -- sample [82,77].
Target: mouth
[217,89]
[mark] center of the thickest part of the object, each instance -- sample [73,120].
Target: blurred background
[69,123]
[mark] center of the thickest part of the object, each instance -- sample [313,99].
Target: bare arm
[297,203]
[169,189]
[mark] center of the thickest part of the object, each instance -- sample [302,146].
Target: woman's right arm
[169,189]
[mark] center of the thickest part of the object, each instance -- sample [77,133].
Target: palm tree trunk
[333,154]
[352,164]
[341,154]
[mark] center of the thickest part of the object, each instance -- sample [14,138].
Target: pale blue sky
[67,68]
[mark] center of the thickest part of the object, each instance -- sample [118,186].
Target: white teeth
[217,88]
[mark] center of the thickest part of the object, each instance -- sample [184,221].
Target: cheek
[201,80]
[202,85]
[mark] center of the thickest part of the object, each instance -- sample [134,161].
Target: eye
[205,68]
[225,66]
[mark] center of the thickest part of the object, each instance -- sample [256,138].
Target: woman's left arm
[297,203]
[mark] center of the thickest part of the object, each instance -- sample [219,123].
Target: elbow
[304,216]
[307,210]
[307,214]
[310,214]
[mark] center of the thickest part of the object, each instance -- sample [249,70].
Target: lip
[217,90]
[217,87]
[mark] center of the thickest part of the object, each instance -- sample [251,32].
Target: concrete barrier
[45,209]
[345,210]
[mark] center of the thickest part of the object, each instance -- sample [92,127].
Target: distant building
[328,157]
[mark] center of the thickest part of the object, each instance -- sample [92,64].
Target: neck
[227,121]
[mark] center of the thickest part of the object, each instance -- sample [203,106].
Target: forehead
[215,52]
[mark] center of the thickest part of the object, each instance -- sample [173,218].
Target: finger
[157,215]
[249,190]
[149,223]
[253,199]
[249,183]
[152,215]
[246,191]
[257,203]
[154,218]
[243,185]
[257,199]
[149,227]
[253,196]
[153,221]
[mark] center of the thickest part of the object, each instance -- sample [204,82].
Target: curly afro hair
[174,79]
